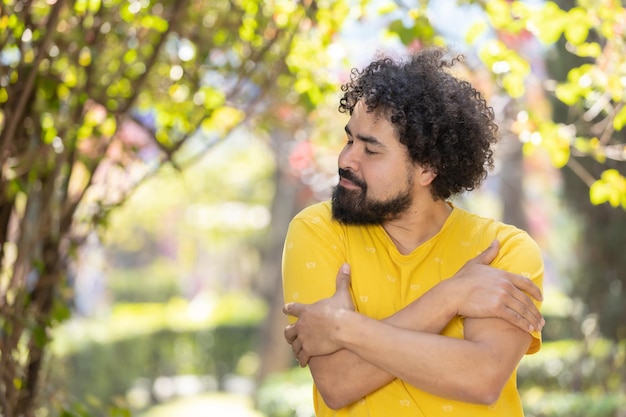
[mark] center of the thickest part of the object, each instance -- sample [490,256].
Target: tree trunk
[274,352]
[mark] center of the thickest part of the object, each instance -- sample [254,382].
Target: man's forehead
[379,112]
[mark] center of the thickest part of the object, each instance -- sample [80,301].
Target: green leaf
[475,31]
[586,145]
[94,5]
[499,13]
[611,188]
[155,22]
[119,412]
[60,312]
[568,93]
[577,28]
[108,127]
[80,6]
[40,336]
[223,120]
[548,23]
[620,119]
[588,49]
[6,327]
[555,142]
[397,27]
[514,85]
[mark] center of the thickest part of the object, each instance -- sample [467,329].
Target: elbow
[335,405]
[333,399]
[488,392]
[488,397]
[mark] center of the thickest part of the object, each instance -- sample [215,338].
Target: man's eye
[368,152]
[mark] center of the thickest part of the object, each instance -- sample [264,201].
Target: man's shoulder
[488,224]
[484,230]
[316,212]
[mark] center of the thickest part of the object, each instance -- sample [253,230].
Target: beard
[355,208]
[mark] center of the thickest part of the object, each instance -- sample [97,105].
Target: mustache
[351,176]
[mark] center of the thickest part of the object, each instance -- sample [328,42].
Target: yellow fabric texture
[384,281]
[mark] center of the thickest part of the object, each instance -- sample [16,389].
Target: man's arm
[476,291]
[343,377]
[474,369]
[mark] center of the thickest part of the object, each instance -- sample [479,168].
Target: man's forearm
[444,366]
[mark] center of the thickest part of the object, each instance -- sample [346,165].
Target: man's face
[376,178]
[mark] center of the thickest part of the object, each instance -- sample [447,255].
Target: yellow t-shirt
[385,281]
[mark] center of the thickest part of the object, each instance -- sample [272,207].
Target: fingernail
[531,328]
[345,269]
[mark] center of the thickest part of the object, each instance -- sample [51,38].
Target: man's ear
[426,175]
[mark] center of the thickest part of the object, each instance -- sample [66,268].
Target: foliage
[579,365]
[156,282]
[594,91]
[542,404]
[593,31]
[287,394]
[196,230]
[545,383]
[96,96]
[563,66]
[155,341]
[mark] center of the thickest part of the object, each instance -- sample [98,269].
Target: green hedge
[576,366]
[95,362]
[567,378]
[102,371]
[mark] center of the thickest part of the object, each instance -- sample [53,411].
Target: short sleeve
[520,254]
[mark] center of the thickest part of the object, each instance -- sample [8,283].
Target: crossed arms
[351,355]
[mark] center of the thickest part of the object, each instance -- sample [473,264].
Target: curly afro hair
[444,122]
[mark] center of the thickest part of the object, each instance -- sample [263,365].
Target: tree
[96,96]
[573,110]
[585,61]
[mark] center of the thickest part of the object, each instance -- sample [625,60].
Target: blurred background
[153,153]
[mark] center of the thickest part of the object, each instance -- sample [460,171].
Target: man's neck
[417,226]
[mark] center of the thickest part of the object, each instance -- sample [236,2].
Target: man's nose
[348,158]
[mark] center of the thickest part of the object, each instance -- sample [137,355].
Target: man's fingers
[296,346]
[489,254]
[518,320]
[527,307]
[293,309]
[524,289]
[525,316]
[343,278]
[518,308]
[527,285]
[290,333]
[523,321]
[303,358]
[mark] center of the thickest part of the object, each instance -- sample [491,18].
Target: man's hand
[488,292]
[318,324]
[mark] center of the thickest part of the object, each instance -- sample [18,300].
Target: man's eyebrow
[367,139]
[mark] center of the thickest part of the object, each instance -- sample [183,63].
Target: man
[416,323]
